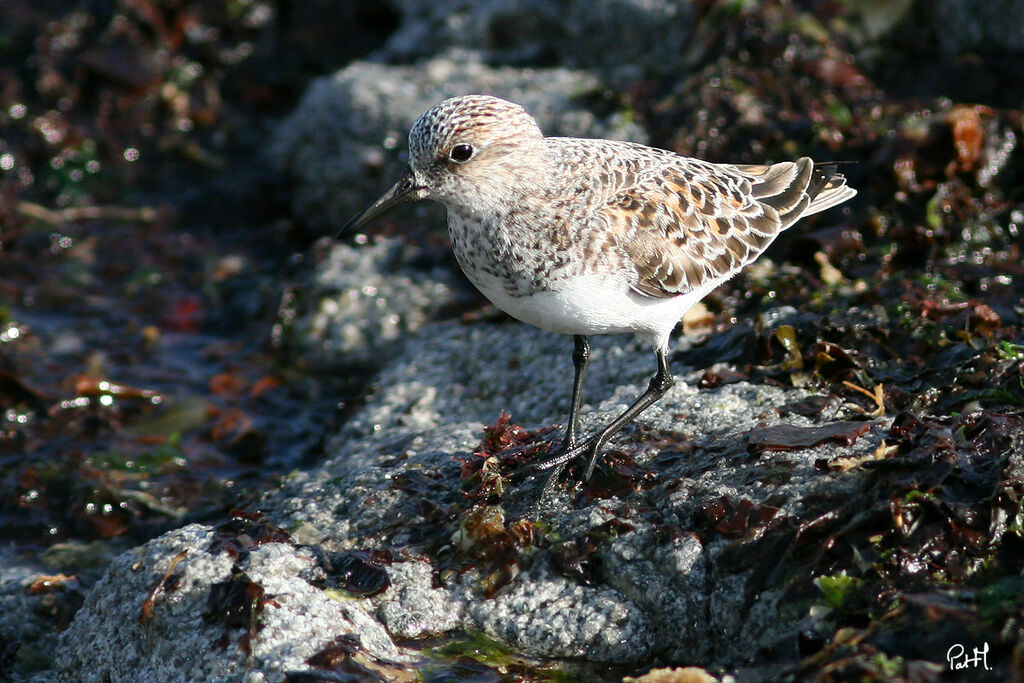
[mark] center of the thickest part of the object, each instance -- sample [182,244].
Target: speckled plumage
[584,236]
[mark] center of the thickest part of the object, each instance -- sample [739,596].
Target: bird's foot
[567,453]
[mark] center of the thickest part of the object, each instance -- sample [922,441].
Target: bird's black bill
[405,190]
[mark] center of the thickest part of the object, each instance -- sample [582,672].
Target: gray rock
[112,639]
[394,483]
[27,619]
[39,595]
[623,39]
[497,367]
[364,300]
[344,144]
[548,615]
[953,27]
[414,608]
[965,26]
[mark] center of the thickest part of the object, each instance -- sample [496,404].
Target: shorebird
[587,236]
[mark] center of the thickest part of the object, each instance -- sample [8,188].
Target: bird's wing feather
[693,222]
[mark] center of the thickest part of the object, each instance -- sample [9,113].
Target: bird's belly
[590,304]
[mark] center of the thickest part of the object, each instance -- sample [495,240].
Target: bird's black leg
[660,384]
[580,356]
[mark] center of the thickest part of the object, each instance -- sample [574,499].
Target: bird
[586,236]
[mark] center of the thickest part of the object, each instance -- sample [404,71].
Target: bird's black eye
[461,152]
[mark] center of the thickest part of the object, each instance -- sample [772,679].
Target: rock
[612,579]
[39,596]
[29,618]
[957,50]
[961,26]
[415,609]
[363,301]
[649,36]
[277,622]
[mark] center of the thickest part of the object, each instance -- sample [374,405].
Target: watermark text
[959,658]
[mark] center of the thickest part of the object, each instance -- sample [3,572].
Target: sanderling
[586,236]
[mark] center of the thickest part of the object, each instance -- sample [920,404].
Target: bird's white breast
[592,304]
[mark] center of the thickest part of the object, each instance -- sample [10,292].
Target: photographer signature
[959,659]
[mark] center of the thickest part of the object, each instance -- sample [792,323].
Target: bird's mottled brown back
[685,223]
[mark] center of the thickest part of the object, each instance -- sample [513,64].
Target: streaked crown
[480,121]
